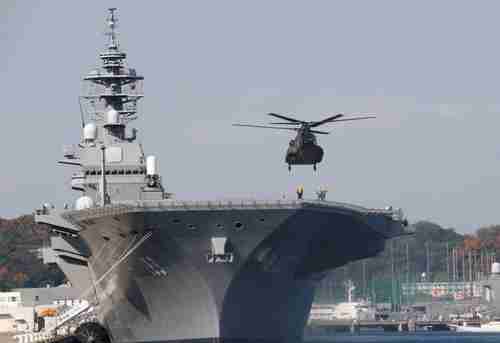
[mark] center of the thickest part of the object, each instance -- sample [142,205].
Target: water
[427,337]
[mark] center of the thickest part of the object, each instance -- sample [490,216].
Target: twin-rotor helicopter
[304,148]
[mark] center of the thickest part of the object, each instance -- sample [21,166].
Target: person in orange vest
[300,192]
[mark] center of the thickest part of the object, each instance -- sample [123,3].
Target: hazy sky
[430,70]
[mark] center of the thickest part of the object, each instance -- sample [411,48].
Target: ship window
[176,220]
[107,172]
[220,226]
[191,226]
[262,220]
[238,225]
[135,172]
[106,238]
[121,172]
[93,172]
[128,172]
[114,172]
[99,172]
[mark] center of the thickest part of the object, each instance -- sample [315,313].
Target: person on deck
[300,192]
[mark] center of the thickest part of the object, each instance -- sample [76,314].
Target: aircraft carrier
[158,269]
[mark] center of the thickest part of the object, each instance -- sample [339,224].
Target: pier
[331,326]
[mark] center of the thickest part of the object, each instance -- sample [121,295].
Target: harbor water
[427,337]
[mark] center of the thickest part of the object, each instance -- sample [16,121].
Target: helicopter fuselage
[303,153]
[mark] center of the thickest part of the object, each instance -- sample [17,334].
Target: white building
[19,308]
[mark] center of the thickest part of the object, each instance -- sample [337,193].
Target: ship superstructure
[157,269]
[113,165]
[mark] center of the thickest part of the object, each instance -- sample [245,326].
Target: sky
[429,70]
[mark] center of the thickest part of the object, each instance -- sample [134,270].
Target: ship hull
[154,281]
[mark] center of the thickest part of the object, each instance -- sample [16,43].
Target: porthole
[191,227]
[220,226]
[176,220]
[106,238]
[238,225]
[262,220]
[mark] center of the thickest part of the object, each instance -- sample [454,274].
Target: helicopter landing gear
[314,166]
[289,167]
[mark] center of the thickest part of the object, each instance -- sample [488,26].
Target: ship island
[157,269]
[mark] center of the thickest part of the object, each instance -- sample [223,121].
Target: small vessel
[347,310]
[353,310]
[489,327]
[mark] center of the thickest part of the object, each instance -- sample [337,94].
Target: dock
[330,326]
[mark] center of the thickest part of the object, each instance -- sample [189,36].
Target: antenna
[112,22]
[104,193]
[81,111]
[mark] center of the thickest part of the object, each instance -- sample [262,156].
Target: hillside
[19,265]
[404,259]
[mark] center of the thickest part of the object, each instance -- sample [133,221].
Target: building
[455,290]
[20,307]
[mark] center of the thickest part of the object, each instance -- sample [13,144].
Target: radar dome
[112,117]
[151,165]
[90,132]
[84,202]
[495,268]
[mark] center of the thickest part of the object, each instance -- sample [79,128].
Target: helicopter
[304,148]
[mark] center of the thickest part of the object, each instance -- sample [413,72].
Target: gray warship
[157,269]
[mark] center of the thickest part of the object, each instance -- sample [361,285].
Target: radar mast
[112,90]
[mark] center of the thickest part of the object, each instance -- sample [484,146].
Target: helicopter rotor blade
[320,132]
[285,118]
[267,127]
[324,121]
[355,118]
[285,123]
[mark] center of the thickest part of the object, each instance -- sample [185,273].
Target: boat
[158,269]
[492,326]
